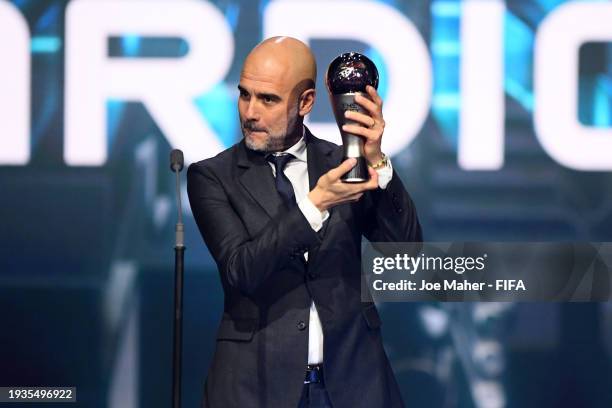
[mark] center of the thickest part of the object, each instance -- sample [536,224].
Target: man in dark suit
[286,235]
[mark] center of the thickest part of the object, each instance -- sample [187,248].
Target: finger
[372,184]
[360,188]
[355,197]
[370,134]
[373,178]
[352,195]
[362,118]
[342,169]
[374,109]
[374,95]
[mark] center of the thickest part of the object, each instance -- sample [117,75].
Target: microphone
[176,165]
[176,160]
[347,76]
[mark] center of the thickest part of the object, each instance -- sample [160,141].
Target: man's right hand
[331,191]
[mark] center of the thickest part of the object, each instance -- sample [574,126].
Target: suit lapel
[258,180]
[320,161]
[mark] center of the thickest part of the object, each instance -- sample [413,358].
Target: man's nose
[252,112]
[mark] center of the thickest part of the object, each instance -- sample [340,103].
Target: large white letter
[14,87]
[166,86]
[557,48]
[481,123]
[390,33]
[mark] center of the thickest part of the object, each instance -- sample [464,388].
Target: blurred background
[499,116]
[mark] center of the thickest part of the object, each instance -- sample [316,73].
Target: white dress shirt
[296,171]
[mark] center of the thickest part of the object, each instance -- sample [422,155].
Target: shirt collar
[298,150]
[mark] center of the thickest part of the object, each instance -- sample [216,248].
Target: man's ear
[307,100]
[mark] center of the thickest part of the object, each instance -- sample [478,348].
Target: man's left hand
[371,126]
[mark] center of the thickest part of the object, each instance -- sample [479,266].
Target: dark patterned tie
[283,185]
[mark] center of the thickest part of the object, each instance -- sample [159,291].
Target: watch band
[382,163]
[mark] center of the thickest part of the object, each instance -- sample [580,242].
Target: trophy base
[359,173]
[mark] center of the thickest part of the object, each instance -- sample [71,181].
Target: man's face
[268,108]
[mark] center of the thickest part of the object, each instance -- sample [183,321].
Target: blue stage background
[86,247]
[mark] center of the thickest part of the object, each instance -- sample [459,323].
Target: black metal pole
[176,165]
[179,253]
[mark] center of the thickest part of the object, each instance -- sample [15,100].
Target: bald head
[284,58]
[276,93]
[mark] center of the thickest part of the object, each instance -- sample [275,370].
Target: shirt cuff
[314,217]
[385,174]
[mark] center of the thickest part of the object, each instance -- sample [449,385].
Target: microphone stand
[179,255]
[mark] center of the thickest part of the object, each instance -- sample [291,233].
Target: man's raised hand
[331,191]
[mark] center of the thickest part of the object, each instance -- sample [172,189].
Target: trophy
[347,76]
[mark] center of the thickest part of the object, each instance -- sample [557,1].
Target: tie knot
[279,161]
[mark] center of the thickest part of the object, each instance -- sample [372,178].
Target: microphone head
[349,73]
[176,160]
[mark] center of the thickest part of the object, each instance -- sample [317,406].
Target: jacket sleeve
[244,262]
[390,215]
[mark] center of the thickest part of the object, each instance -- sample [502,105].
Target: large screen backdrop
[499,123]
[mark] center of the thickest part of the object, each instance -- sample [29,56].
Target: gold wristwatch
[383,163]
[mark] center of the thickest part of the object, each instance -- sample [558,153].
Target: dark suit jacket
[258,244]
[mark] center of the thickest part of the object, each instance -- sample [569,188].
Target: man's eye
[267,99]
[244,94]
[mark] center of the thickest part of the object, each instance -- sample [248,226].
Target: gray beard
[270,145]
[276,143]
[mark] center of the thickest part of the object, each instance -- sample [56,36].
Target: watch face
[351,72]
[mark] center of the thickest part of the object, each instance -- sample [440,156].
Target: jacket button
[301,325]
[312,275]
